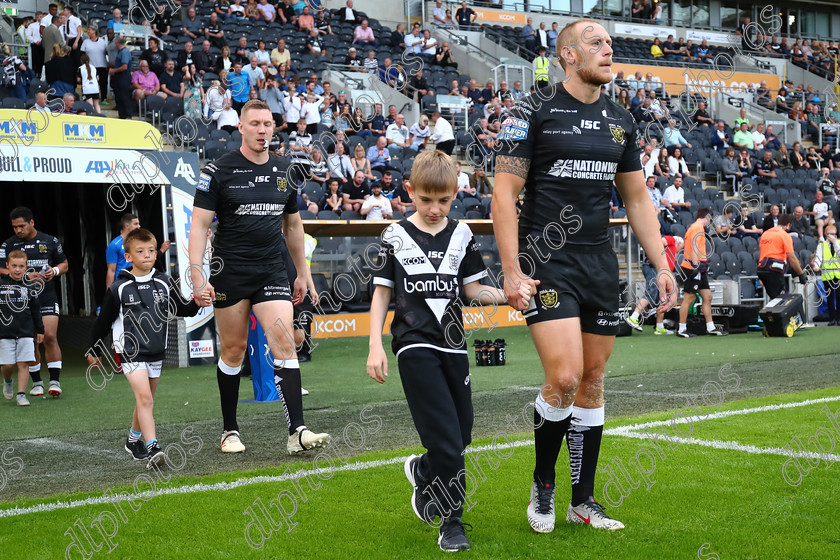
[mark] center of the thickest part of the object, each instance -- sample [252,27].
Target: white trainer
[231,442]
[592,513]
[541,507]
[304,439]
[37,390]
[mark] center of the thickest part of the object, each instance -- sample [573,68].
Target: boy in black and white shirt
[20,324]
[429,261]
[137,308]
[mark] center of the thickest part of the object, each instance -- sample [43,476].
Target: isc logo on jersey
[514,129]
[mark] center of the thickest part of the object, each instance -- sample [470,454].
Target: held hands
[518,293]
[377,364]
[39,338]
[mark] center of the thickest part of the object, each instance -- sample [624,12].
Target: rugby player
[46,262]
[565,145]
[258,219]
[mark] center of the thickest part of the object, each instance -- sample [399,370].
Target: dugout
[79,174]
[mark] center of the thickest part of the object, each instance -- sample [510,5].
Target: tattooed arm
[511,173]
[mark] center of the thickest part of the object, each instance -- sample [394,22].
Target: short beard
[591,78]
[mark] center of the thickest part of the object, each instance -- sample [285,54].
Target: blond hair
[434,172]
[568,38]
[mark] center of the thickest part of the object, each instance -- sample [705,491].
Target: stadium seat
[470,203]
[307,215]
[351,215]
[330,304]
[473,215]
[735,245]
[13,103]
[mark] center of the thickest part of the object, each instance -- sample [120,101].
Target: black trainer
[686,334]
[717,331]
[156,456]
[452,537]
[137,450]
[421,502]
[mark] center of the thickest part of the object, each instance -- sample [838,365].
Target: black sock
[54,373]
[548,439]
[287,380]
[36,376]
[229,396]
[584,443]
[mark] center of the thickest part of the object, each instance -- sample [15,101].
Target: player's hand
[299,290]
[667,289]
[313,293]
[39,338]
[377,365]
[512,287]
[205,296]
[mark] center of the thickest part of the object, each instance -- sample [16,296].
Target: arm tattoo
[514,165]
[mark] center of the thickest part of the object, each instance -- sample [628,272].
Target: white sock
[710,326]
[635,316]
[660,325]
[682,327]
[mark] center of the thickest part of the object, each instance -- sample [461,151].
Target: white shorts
[14,350]
[153,368]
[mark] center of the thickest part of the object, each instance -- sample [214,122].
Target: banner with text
[358,324]
[45,128]
[699,80]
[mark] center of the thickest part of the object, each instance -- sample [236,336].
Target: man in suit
[52,36]
[772,219]
[205,61]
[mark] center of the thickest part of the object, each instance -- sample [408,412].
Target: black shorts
[574,282]
[773,282]
[48,303]
[256,283]
[694,282]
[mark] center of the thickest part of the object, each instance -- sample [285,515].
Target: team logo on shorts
[42,248]
[220,296]
[281,184]
[548,298]
[617,134]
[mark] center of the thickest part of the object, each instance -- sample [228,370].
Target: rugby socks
[228,379]
[550,425]
[133,437]
[35,374]
[54,369]
[584,441]
[287,380]
[151,443]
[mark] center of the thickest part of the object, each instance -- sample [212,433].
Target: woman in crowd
[677,165]
[361,163]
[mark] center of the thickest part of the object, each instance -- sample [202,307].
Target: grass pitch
[719,491]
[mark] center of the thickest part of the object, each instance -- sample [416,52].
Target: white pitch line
[223,486]
[735,446]
[625,430]
[64,446]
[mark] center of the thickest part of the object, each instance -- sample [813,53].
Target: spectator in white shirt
[255,74]
[397,136]
[227,119]
[443,138]
[758,137]
[464,188]
[439,13]
[414,41]
[429,48]
[376,207]
[216,97]
[673,136]
[311,111]
[676,164]
[339,164]
[675,194]
[419,133]
[41,102]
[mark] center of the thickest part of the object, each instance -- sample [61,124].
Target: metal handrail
[509,44]
[470,47]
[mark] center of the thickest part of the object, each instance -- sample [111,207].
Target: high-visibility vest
[541,69]
[22,50]
[309,244]
[830,266]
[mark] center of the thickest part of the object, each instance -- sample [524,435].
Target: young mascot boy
[20,325]
[429,260]
[137,307]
